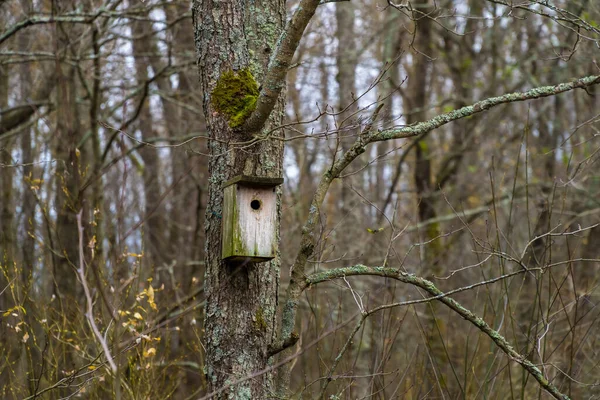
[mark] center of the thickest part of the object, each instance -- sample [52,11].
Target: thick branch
[10,119]
[278,347]
[37,20]
[451,303]
[280,62]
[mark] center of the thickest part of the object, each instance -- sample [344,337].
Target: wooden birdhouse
[249,219]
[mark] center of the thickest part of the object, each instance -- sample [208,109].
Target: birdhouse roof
[253,181]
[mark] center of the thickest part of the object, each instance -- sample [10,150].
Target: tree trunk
[67,178]
[26,230]
[241,299]
[419,85]
[155,235]
[68,202]
[9,345]
[346,80]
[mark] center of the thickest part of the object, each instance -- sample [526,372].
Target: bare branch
[37,20]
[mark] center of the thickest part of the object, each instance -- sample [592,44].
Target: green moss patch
[260,324]
[235,96]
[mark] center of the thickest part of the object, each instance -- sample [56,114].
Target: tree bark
[241,299]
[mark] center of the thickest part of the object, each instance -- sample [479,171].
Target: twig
[341,353]
[90,313]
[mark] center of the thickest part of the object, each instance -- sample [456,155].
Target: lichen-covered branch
[308,240]
[430,288]
[281,60]
[480,106]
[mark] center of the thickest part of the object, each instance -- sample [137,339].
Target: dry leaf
[150,352]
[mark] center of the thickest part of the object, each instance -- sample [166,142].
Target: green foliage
[586,16]
[235,96]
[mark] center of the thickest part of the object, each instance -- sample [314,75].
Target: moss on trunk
[235,96]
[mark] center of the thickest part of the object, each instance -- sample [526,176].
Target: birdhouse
[249,219]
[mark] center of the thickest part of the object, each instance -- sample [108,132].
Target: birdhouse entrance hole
[255,204]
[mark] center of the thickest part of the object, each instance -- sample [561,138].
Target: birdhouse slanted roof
[254,181]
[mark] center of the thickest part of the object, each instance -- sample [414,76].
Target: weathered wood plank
[249,217]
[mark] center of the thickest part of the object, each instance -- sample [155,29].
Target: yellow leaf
[35,183]
[150,352]
[150,293]
[13,311]
[138,315]
[92,367]
[25,337]
[473,200]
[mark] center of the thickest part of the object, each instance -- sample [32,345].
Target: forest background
[442,253]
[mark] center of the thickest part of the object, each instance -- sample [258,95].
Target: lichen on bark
[235,96]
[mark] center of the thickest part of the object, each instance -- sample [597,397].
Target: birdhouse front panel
[249,223]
